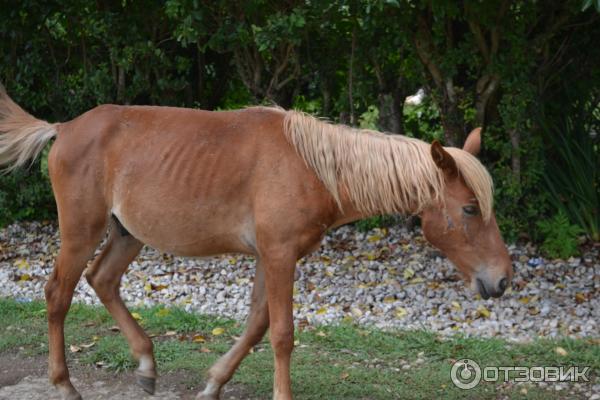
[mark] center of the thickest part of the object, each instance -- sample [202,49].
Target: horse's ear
[443,159]
[473,142]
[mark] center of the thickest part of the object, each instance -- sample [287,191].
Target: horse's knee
[56,305]
[50,289]
[255,333]
[282,341]
[105,289]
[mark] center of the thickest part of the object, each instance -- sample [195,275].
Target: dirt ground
[25,378]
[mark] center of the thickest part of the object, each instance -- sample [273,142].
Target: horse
[261,181]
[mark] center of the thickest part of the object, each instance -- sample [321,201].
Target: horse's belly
[201,231]
[188,200]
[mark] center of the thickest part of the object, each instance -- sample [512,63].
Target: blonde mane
[382,174]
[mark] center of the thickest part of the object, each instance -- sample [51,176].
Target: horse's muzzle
[487,291]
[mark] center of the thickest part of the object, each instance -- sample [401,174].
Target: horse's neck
[347,212]
[350,212]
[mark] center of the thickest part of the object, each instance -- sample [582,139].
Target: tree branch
[279,70]
[424,48]
[486,87]
[480,40]
[495,31]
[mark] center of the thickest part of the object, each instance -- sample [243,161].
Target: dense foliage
[525,70]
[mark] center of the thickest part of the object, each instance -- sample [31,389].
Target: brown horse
[260,181]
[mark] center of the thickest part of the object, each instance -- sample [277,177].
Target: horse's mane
[381,173]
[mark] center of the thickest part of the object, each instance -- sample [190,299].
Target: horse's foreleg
[105,277]
[257,324]
[279,279]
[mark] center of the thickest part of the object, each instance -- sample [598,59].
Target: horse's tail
[22,136]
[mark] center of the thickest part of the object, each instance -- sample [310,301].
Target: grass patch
[343,362]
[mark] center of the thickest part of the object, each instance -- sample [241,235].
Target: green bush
[519,200]
[26,195]
[378,221]
[573,172]
[423,121]
[560,236]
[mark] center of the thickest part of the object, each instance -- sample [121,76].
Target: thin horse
[259,181]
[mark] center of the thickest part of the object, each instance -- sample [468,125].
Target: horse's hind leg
[258,322]
[105,277]
[77,247]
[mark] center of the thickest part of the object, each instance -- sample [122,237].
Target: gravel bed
[389,278]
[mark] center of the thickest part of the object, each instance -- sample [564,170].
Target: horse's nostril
[503,284]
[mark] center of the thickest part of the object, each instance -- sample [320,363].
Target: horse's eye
[470,210]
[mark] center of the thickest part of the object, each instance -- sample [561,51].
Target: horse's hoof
[68,392]
[203,396]
[210,392]
[146,383]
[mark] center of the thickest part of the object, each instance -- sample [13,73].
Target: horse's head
[465,230]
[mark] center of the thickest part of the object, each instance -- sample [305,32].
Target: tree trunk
[391,118]
[121,85]
[344,118]
[113,71]
[452,123]
[189,96]
[218,87]
[384,122]
[326,93]
[283,98]
[398,98]
[486,88]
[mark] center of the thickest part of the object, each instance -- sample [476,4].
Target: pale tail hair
[22,136]
[382,174]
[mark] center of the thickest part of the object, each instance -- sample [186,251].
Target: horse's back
[160,140]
